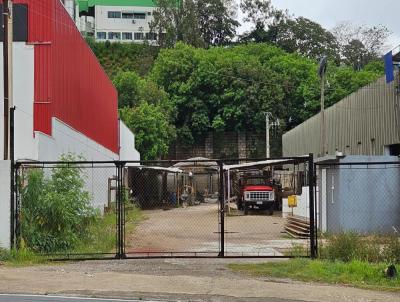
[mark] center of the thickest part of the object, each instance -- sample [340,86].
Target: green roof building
[117,20]
[85,5]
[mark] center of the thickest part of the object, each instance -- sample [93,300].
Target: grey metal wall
[362,123]
[363,199]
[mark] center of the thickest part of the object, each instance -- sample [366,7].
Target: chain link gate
[158,209]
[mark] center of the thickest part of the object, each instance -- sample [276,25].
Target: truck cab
[256,193]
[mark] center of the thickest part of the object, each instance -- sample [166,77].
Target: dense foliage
[152,128]
[195,90]
[230,88]
[56,212]
[118,57]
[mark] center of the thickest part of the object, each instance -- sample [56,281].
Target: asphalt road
[27,298]
[37,298]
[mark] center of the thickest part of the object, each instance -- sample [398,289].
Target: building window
[101,35]
[139,36]
[394,150]
[139,15]
[126,36]
[114,15]
[148,13]
[151,36]
[114,36]
[127,15]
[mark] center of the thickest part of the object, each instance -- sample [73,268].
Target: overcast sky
[330,12]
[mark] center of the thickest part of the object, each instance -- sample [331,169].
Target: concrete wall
[5,167]
[23,94]
[65,139]
[127,144]
[303,205]
[363,198]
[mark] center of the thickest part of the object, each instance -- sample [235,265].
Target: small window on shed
[114,15]
[139,16]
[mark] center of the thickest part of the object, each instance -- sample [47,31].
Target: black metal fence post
[311,182]
[118,209]
[222,208]
[12,180]
[123,204]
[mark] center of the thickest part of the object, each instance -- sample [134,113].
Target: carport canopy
[271,162]
[162,169]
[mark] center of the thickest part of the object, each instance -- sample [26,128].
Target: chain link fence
[190,208]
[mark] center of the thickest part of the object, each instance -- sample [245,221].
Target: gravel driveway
[195,231]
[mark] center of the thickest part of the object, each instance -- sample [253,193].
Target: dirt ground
[196,230]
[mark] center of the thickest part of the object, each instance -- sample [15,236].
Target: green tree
[298,35]
[127,84]
[304,37]
[360,45]
[198,23]
[215,21]
[153,131]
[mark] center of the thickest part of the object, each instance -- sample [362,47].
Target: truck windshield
[255,182]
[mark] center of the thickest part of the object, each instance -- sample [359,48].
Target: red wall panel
[70,84]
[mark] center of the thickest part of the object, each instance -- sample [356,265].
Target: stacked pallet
[297,227]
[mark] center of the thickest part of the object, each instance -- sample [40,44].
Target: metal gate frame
[15,207]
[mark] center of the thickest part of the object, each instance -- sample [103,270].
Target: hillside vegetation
[192,91]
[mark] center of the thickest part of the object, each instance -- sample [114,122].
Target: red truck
[256,193]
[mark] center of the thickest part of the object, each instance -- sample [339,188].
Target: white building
[116,20]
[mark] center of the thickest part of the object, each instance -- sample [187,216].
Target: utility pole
[267,126]
[322,74]
[7,72]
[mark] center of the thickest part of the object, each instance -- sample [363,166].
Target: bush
[56,210]
[344,247]
[347,247]
[4,255]
[391,251]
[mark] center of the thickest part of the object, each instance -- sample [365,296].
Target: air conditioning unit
[133,21]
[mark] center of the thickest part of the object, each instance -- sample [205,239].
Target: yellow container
[292,201]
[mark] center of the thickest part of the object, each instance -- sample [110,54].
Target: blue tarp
[389,70]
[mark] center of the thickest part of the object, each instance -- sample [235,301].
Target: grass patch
[101,237]
[21,257]
[355,273]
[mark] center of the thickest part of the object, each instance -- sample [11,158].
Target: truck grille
[260,195]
